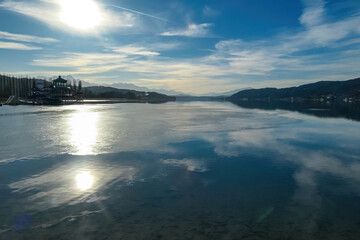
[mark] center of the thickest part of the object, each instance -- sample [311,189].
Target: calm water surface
[199,170]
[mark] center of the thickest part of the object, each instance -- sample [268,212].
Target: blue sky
[189,46]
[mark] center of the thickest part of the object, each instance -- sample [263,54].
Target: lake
[179,170]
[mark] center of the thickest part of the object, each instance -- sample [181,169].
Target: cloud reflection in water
[192,165]
[71,182]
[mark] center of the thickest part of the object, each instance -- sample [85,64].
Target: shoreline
[97,101]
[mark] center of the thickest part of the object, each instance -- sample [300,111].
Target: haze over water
[197,170]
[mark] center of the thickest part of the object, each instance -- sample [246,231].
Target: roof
[61,80]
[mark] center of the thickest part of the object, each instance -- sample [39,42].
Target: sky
[190,46]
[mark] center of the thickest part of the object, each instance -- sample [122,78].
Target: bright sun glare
[84,180]
[80,14]
[83,125]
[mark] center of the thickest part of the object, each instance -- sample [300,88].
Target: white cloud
[26,38]
[192,30]
[321,32]
[17,46]
[313,13]
[228,44]
[134,50]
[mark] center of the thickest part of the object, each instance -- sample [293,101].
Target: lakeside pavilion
[60,89]
[60,82]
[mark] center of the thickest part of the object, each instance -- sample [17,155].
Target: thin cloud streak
[141,13]
[209,12]
[134,50]
[17,46]
[26,38]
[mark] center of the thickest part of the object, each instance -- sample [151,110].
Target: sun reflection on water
[83,133]
[84,180]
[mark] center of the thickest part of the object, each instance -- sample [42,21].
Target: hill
[110,92]
[329,90]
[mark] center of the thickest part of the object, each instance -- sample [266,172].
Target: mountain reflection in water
[194,170]
[316,108]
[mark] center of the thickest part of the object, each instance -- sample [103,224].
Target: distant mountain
[42,77]
[144,89]
[110,92]
[67,77]
[323,89]
[224,94]
[119,86]
[114,85]
[187,98]
[128,86]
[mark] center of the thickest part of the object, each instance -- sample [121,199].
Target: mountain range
[142,89]
[327,89]
[322,89]
[116,85]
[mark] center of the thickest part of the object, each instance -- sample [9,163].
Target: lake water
[192,170]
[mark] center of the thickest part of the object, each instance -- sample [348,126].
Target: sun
[80,14]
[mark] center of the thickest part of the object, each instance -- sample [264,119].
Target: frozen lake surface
[193,170]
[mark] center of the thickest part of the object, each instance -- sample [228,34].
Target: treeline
[19,86]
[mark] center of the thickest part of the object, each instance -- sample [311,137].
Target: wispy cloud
[209,12]
[80,61]
[313,13]
[26,38]
[164,46]
[321,32]
[17,46]
[192,30]
[134,50]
